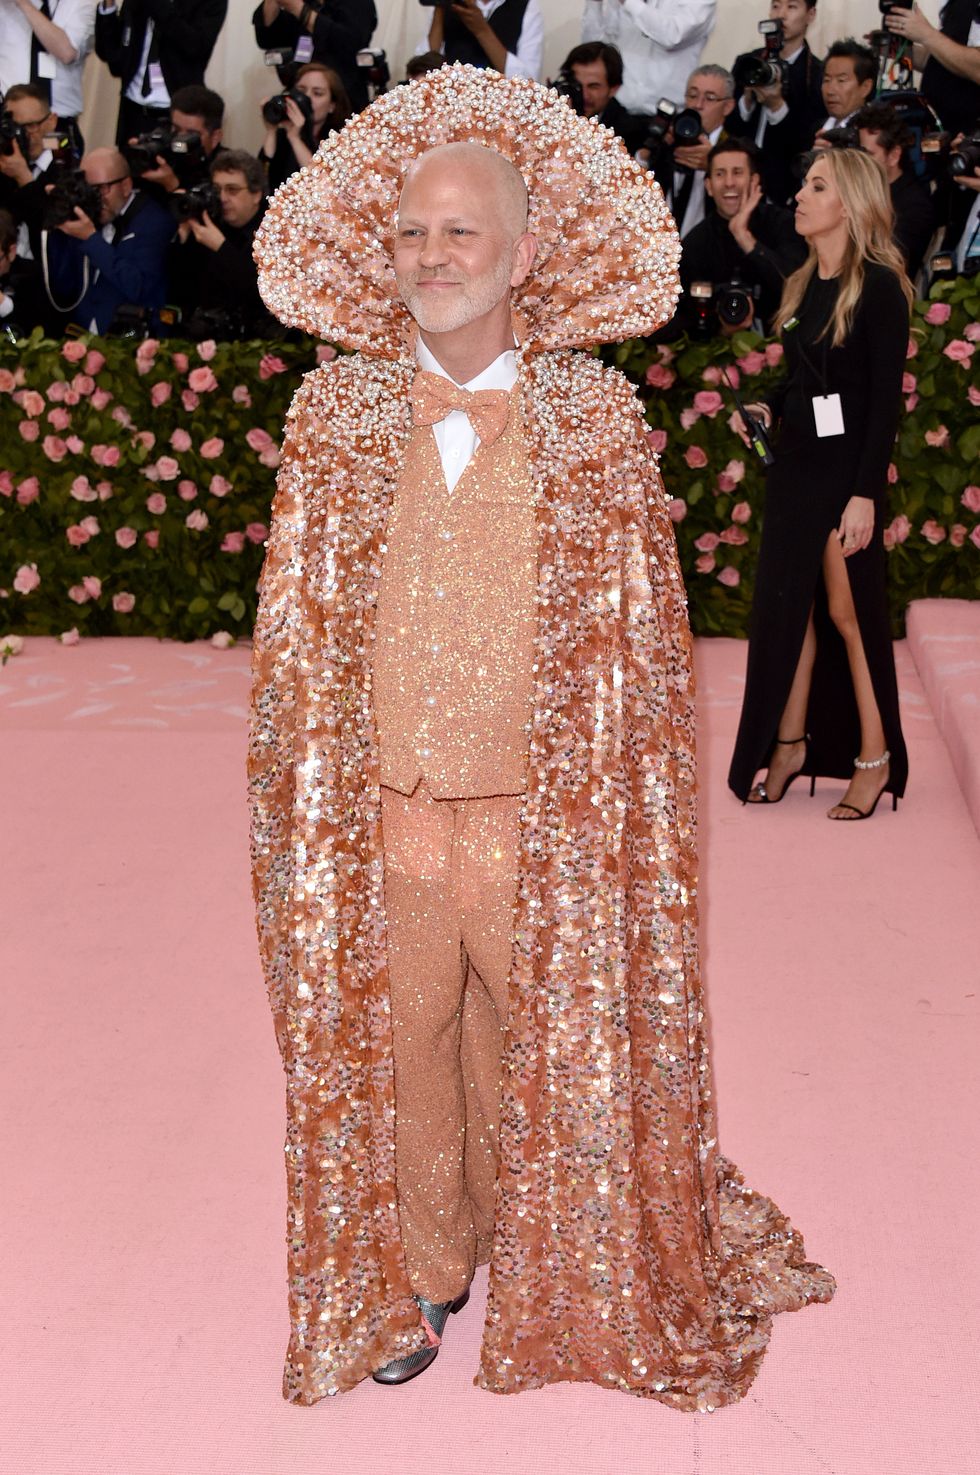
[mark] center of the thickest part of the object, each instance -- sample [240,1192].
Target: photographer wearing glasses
[46,42]
[26,159]
[331,32]
[680,157]
[777,89]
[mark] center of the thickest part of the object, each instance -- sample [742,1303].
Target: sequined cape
[626,1251]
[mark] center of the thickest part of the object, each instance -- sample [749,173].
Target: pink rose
[144,438]
[258,440]
[104,455]
[957,535]
[123,602]
[83,385]
[219,486]
[708,402]
[71,397]
[197,520]
[256,532]
[688,418]
[180,440]
[126,537]
[938,437]
[152,538]
[75,445]
[82,490]
[707,543]
[189,400]
[911,402]
[741,512]
[735,537]
[899,528]
[6,484]
[28,491]
[725,483]
[325,352]
[695,458]
[94,361]
[77,536]
[73,351]
[69,637]
[187,490]
[959,351]
[734,376]
[932,531]
[972,332]
[271,364]
[711,375]
[151,473]
[659,377]
[54,448]
[909,382]
[971,499]
[939,312]
[207,350]
[104,489]
[912,349]
[705,563]
[7,381]
[180,362]
[752,363]
[271,457]
[79,594]
[774,354]
[729,576]
[233,542]
[222,640]
[29,429]
[56,391]
[240,394]
[100,399]
[27,578]
[975,536]
[892,474]
[92,586]
[657,440]
[123,416]
[973,395]
[735,469]
[677,509]
[167,468]
[212,448]
[160,393]
[59,418]
[202,381]
[156,503]
[90,525]
[30,402]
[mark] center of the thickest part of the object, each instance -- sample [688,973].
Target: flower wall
[136,477]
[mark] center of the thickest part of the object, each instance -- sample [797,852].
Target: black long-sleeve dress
[807,490]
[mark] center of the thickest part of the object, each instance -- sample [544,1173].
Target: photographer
[780,111]
[948,57]
[962,238]
[25,160]
[328,31]
[21,304]
[743,240]
[46,42]
[507,35]
[886,138]
[598,70]
[302,122]
[660,41]
[213,277]
[111,254]
[155,47]
[849,72]
[193,110]
[679,166]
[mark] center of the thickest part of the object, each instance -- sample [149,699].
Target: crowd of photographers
[155,234]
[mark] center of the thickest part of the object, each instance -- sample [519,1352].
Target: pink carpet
[944,638]
[143,1270]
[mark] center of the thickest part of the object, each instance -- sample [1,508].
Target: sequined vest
[454,648]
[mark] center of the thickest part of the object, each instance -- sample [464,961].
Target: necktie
[153,55]
[433,397]
[36,48]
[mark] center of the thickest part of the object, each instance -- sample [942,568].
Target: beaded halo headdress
[607,245]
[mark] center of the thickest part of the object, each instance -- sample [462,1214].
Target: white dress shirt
[694,213]
[158,96]
[77,19]
[661,42]
[526,60]
[455,436]
[43,161]
[767,115]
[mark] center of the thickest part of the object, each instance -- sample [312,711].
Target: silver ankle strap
[874,762]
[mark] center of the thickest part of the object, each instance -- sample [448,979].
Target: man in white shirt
[507,35]
[780,116]
[47,41]
[661,42]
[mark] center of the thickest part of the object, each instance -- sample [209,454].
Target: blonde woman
[821,696]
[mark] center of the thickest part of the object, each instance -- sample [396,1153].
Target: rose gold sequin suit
[626,1250]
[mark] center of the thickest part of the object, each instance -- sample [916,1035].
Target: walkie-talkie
[758,438]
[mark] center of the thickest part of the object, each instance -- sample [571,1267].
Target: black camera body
[720,304]
[274,111]
[769,69]
[184,152]
[885,7]
[965,158]
[567,85]
[373,67]
[12,135]
[70,193]
[194,203]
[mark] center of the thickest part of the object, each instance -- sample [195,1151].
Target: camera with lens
[183,151]
[70,193]
[13,135]
[373,67]
[193,203]
[274,111]
[224,325]
[965,158]
[660,124]
[718,305]
[885,7]
[567,85]
[769,69]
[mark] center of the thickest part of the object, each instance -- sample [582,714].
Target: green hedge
[136,478]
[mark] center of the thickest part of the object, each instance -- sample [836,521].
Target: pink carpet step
[944,638]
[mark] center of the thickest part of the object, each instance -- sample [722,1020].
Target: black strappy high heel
[760,788]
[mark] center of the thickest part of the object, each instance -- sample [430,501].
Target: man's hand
[292,7]
[694,155]
[14,166]
[163,175]
[472,18]
[206,233]
[739,223]
[768,97]
[81,228]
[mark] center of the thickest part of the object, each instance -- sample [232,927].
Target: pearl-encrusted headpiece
[607,245]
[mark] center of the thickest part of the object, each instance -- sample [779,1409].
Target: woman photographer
[289,145]
[821,696]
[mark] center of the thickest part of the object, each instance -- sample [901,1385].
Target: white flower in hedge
[197,520]
[10,645]
[222,640]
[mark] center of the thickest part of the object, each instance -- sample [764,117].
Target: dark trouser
[135,119]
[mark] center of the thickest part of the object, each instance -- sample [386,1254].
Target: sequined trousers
[450,889]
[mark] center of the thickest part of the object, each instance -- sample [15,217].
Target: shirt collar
[501,374]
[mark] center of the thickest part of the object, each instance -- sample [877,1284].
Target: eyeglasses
[109,183]
[36,125]
[691,96]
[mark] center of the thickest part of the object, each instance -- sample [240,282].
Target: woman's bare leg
[866,784]
[790,751]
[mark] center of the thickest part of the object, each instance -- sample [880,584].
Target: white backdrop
[237,72]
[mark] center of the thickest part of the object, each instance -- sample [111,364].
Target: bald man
[115,256]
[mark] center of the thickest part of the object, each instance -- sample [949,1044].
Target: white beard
[472,300]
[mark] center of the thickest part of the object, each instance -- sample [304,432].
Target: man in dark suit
[117,260]
[598,70]
[781,117]
[330,31]
[886,137]
[155,47]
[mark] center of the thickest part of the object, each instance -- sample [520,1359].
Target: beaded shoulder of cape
[608,248]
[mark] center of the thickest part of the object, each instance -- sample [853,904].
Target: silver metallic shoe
[436,1314]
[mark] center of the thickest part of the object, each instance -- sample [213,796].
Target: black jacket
[625,124]
[223,281]
[783,142]
[915,219]
[711,254]
[186,29]
[341,30]
[956,99]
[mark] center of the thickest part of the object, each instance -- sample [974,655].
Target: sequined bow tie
[433,397]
